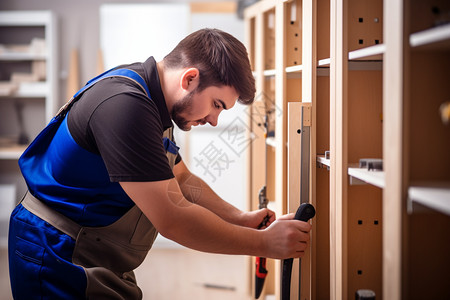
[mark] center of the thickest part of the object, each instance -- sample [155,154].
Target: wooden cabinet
[281,40]
[416,198]
[375,75]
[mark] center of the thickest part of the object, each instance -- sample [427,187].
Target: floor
[178,273]
[4,275]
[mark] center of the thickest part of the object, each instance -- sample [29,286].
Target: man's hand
[287,238]
[254,219]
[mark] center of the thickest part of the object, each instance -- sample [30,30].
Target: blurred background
[49,49]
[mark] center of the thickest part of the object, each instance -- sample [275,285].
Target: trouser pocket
[25,260]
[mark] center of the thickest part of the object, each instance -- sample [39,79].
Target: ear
[190,79]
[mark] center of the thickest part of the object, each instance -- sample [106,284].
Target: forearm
[198,228]
[197,191]
[190,224]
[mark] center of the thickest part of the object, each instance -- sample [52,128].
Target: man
[101,183]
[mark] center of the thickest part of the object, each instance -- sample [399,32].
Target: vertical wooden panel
[365,27]
[280,121]
[73,80]
[393,148]
[294,33]
[294,168]
[338,148]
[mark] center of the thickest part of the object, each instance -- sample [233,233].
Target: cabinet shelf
[438,37]
[323,161]
[369,53]
[324,62]
[294,69]
[435,196]
[269,73]
[270,141]
[362,176]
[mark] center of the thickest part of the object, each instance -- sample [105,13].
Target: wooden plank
[294,33]
[205,7]
[364,115]
[280,122]
[338,148]
[323,29]
[365,23]
[73,79]
[294,168]
[269,41]
[259,7]
[393,82]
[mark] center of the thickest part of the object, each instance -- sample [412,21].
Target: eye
[217,105]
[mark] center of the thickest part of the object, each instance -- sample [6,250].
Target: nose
[212,119]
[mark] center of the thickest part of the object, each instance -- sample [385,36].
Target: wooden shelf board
[269,73]
[369,53]
[293,69]
[435,196]
[362,175]
[270,141]
[437,35]
[324,62]
[322,160]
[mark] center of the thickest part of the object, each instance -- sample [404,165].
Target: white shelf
[36,46]
[324,62]
[17,56]
[435,196]
[362,176]
[270,141]
[25,18]
[269,73]
[293,69]
[32,90]
[369,53]
[13,152]
[430,36]
[322,160]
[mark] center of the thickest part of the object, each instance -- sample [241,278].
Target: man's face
[200,108]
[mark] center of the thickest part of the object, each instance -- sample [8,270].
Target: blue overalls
[50,255]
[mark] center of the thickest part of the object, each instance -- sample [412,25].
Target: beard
[180,107]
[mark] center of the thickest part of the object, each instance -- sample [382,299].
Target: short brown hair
[220,58]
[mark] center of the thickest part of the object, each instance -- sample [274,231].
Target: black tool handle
[305,212]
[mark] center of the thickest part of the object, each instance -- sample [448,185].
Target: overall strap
[125,73]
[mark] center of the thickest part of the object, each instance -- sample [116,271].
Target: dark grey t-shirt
[116,120]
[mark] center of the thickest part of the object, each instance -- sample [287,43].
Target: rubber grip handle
[305,212]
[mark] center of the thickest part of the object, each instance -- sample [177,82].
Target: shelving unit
[283,60]
[27,47]
[418,147]
[28,93]
[375,74]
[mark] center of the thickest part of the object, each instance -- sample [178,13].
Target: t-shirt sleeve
[128,133]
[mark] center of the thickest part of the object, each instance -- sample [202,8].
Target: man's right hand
[287,238]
